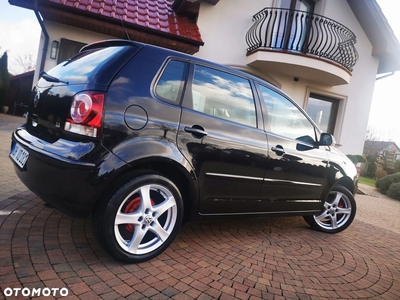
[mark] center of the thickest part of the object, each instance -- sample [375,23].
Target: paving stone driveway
[275,258]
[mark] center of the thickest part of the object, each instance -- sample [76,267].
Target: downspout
[46,36]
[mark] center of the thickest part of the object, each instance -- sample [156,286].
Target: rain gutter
[384,76]
[46,36]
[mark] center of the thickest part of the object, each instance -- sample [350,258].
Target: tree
[371,134]
[25,62]
[4,78]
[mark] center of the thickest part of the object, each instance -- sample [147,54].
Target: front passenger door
[297,167]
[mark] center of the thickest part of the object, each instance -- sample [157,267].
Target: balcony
[303,45]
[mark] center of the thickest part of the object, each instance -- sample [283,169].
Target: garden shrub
[353,158]
[360,158]
[380,174]
[371,166]
[384,183]
[394,191]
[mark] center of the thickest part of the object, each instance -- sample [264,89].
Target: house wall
[224,26]
[58,31]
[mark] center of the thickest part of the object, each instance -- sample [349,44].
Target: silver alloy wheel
[336,212]
[145,219]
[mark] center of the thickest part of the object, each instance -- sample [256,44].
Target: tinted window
[95,65]
[223,95]
[285,119]
[170,85]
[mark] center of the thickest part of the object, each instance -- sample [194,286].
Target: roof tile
[153,14]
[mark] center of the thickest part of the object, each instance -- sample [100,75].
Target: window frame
[317,132]
[159,74]
[333,113]
[188,97]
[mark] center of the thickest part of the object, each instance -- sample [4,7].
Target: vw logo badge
[36,99]
[148,220]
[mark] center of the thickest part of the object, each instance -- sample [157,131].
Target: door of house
[68,49]
[297,18]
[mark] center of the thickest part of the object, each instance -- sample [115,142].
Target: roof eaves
[374,23]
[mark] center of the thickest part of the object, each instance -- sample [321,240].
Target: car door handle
[278,150]
[196,131]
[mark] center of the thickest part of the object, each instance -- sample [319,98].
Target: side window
[285,119]
[170,85]
[223,95]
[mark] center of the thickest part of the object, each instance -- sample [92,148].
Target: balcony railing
[302,32]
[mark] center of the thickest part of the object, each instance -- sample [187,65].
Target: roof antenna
[120,17]
[126,32]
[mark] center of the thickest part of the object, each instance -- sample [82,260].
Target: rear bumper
[54,174]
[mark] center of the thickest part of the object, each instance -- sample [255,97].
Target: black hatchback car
[144,138]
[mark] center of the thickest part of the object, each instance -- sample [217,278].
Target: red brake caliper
[130,208]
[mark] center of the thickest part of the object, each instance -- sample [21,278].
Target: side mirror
[326,139]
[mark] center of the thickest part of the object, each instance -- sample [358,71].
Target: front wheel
[141,219]
[338,211]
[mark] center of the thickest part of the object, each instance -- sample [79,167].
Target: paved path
[275,258]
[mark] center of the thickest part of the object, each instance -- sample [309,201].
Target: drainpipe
[46,36]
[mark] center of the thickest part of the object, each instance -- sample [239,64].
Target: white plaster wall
[223,28]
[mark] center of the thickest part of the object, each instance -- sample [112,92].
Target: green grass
[367,181]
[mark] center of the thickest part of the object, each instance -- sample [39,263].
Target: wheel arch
[179,173]
[348,183]
[344,181]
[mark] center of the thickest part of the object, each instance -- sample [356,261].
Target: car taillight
[86,114]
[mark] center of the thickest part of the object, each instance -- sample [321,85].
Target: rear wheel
[338,211]
[141,219]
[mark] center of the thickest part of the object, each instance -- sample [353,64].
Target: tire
[337,213]
[140,220]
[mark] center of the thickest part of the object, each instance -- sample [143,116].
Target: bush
[371,169]
[384,183]
[356,158]
[353,158]
[394,191]
[380,174]
[360,158]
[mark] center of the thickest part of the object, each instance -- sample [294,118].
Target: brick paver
[243,258]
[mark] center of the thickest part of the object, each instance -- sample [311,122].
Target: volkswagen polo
[143,139]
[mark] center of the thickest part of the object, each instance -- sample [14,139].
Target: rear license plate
[19,155]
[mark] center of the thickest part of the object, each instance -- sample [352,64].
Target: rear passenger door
[222,138]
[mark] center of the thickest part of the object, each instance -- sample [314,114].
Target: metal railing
[302,32]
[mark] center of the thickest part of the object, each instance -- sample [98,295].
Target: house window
[68,49]
[323,110]
[293,33]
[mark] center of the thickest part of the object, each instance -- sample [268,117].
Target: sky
[20,34]
[385,110]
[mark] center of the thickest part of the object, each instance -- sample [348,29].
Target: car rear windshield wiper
[50,78]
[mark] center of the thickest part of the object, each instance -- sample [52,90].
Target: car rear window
[95,65]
